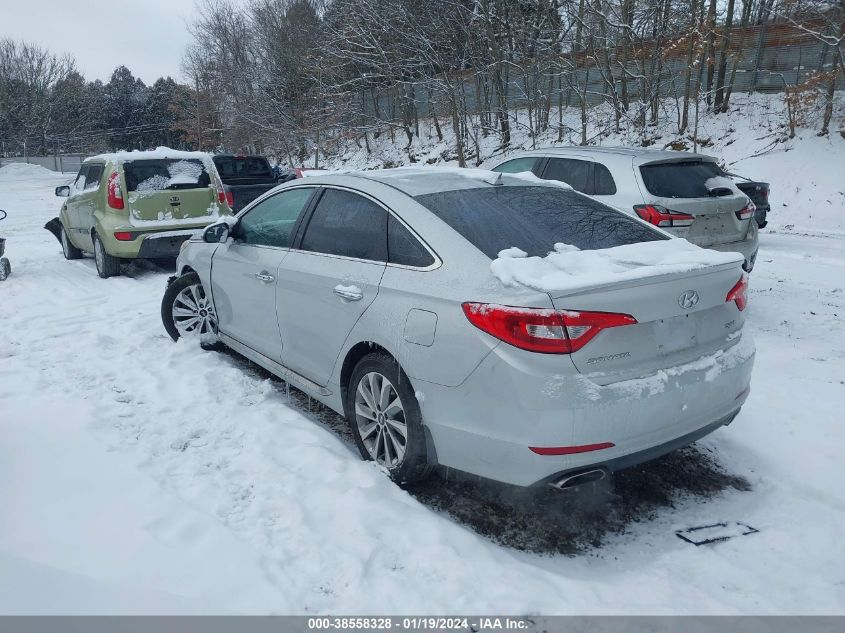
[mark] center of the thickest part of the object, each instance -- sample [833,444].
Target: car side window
[272,221]
[604,184]
[79,183]
[405,249]
[576,173]
[93,177]
[345,223]
[517,165]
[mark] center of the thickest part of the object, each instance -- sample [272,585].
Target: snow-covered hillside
[807,173]
[142,476]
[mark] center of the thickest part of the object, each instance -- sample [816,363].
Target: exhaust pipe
[578,479]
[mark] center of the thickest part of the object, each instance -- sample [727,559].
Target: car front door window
[272,221]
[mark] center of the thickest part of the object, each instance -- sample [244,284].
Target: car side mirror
[63,191]
[216,233]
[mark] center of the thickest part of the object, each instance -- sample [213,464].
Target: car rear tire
[187,310]
[70,251]
[107,265]
[5,269]
[385,418]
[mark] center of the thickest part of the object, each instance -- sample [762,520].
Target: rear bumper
[515,400]
[648,454]
[164,245]
[747,248]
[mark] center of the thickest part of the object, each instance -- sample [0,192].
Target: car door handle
[264,276]
[350,293]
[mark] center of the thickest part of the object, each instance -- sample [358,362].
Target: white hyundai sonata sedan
[497,324]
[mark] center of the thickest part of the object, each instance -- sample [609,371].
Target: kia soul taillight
[114,195]
[542,330]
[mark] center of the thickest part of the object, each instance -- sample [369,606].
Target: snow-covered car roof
[154,154]
[418,181]
[637,155]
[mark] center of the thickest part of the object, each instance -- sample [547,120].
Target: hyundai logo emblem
[174,199]
[688,299]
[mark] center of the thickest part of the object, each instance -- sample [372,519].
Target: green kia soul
[138,205]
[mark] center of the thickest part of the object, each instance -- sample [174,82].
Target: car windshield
[534,219]
[233,167]
[164,174]
[685,179]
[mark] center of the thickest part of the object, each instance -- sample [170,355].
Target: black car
[759,194]
[246,178]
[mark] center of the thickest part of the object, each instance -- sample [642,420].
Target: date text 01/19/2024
[423,623]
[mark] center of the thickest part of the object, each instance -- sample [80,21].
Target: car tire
[377,425]
[68,249]
[107,265]
[187,294]
[5,269]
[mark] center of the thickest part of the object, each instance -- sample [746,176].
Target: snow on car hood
[568,268]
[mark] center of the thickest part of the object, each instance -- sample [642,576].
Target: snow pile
[568,268]
[14,172]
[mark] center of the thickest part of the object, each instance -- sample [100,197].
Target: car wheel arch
[353,356]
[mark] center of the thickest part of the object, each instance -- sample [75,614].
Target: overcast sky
[147,36]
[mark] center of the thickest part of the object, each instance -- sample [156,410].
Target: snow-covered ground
[142,476]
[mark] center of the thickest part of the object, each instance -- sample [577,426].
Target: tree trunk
[723,59]
[693,40]
[711,47]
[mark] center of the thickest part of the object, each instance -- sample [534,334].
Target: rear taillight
[542,330]
[739,293]
[226,197]
[123,236]
[663,217]
[746,212]
[113,192]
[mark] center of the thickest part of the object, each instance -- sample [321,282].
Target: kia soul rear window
[165,174]
[534,219]
[679,180]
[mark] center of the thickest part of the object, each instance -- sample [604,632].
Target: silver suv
[685,194]
[375,294]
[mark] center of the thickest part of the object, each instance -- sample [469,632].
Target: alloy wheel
[193,313]
[380,417]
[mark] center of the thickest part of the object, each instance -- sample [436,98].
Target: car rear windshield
[234,167]
[165,173]
[679,180]
[534,219]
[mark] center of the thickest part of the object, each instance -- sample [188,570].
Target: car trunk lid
[680,317]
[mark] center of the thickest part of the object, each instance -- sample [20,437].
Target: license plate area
[675,334]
